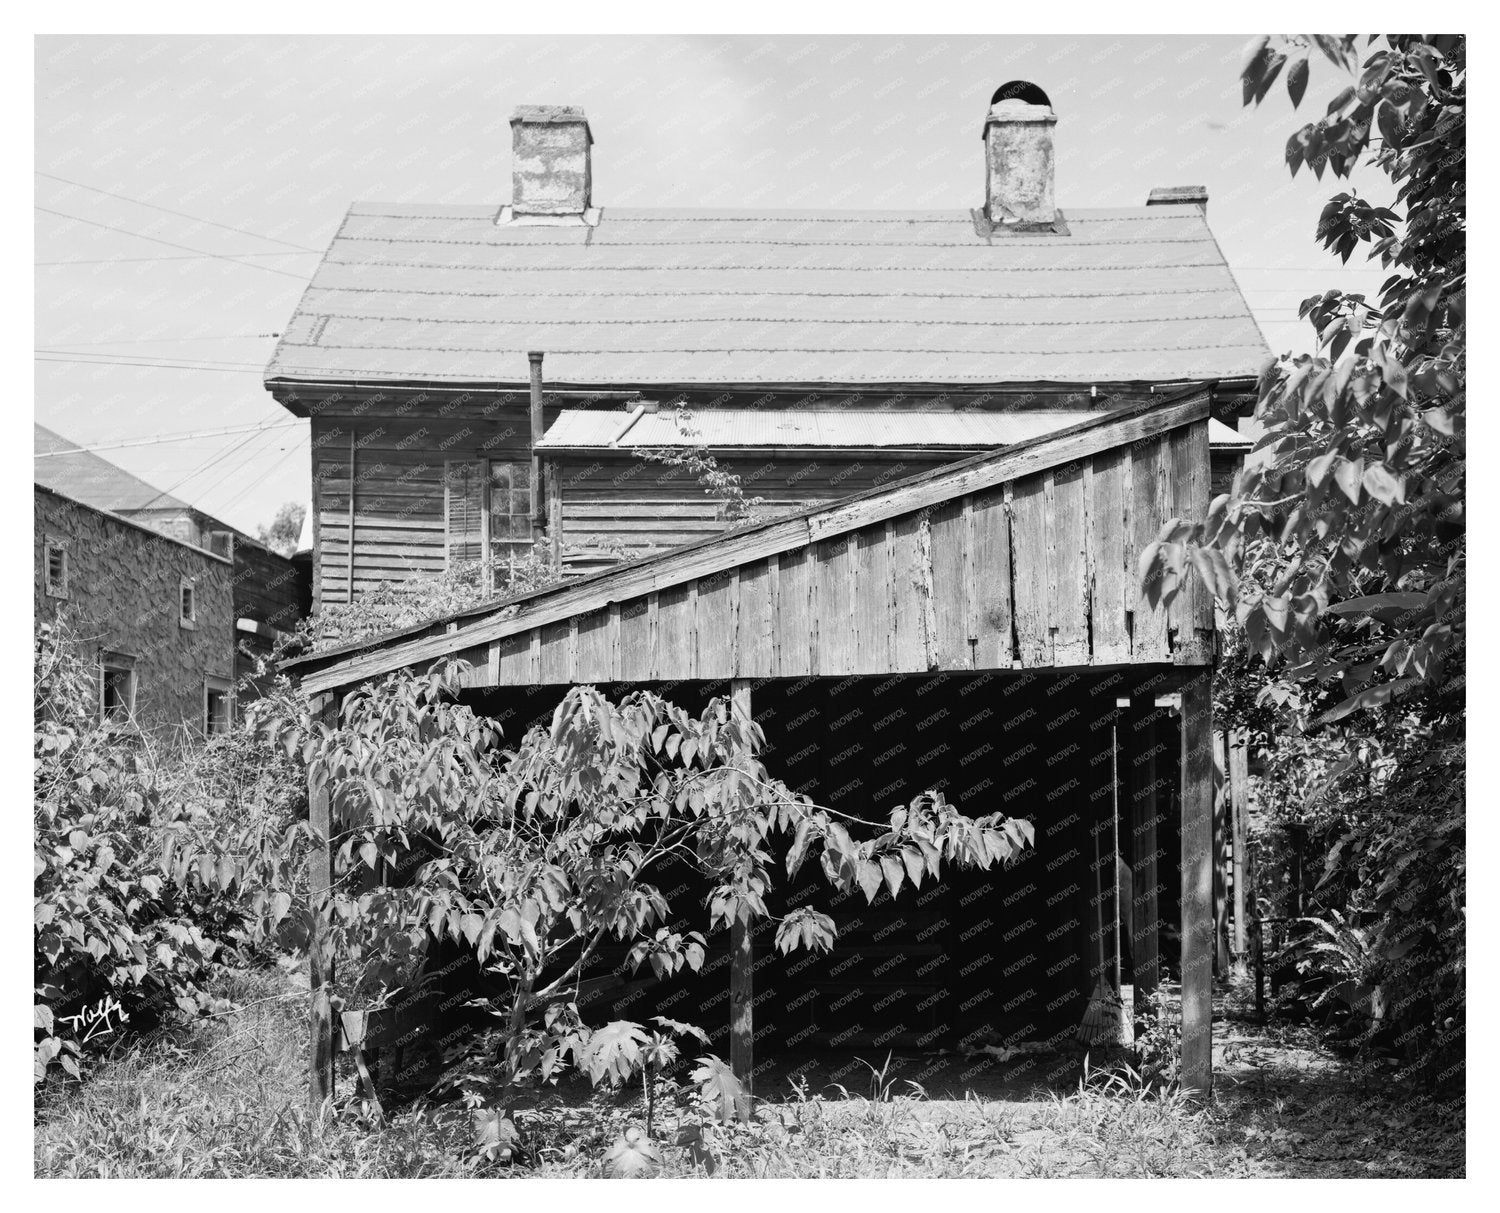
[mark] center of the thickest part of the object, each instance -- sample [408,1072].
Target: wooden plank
[870,598]
[913,632]
[834,595]
[992,596]
[1197,884]
[1108,527]
[716,624]
[754,623]
[594,641]
[1068,584]
[515,660]
[1192,612]
[1028,514]
[637,650]
[1149,470]
[676,628]
[320,971]
[951,544]
[742,967]
[795,626]
[556,652]
[755,543]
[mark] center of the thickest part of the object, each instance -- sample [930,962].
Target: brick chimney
[1018,171]
[551,170]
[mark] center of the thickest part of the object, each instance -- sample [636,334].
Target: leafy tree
[1341,546]
[285,529]
[537,858]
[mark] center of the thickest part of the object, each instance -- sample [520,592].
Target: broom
[1105,1021]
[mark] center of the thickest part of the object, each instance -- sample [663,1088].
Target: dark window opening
[57,571]
[218,710]
[117,695]
[188,604]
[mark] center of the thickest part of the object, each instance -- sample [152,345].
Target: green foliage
[1341,545]
[137,894]
[282,533]
[726,488]
[532,858]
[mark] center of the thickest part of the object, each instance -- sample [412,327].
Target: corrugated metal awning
[789,429]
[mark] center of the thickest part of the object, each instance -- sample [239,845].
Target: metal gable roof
[419,293]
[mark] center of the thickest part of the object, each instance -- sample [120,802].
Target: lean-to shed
[977,627]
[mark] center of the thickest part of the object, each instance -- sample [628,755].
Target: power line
[109,227]
[175,437]
[180,214]
[182,365]
[198,471]
[152,341]
[192,257]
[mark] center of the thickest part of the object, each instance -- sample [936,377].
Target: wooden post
[1197,883]
[554,519]
[1221,836]
[741,965]
[319,955]
[1140,753]
[535,357]
[1239,810]
[349,557]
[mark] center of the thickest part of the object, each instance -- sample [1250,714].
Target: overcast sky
[259,145]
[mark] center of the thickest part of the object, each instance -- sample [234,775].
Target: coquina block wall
[122,599]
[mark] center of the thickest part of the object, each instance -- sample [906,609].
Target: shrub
[135,893]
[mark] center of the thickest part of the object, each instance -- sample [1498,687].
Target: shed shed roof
[426,293]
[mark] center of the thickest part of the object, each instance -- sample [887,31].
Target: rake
[1105,1020]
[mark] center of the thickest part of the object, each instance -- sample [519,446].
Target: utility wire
[109,227]
[68,349]
[191,257]
[159,439]
[180,214]
[184,365]
[198,471]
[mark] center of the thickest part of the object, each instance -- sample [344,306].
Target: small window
[218,706]
[56,570]
[116,688]
[188,601]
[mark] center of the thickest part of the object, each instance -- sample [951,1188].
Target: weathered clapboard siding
[643,506]
[393,464]
[1021,558]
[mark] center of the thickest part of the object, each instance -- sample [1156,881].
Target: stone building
[270,591]
[155,612]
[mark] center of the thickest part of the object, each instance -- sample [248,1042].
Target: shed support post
[319,953]
[1197,883]
[741,966]
[1141,780]
[1239,810]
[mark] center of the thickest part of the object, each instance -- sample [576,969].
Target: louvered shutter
[464,483]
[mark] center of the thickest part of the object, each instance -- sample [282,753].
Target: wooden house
[908,613]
